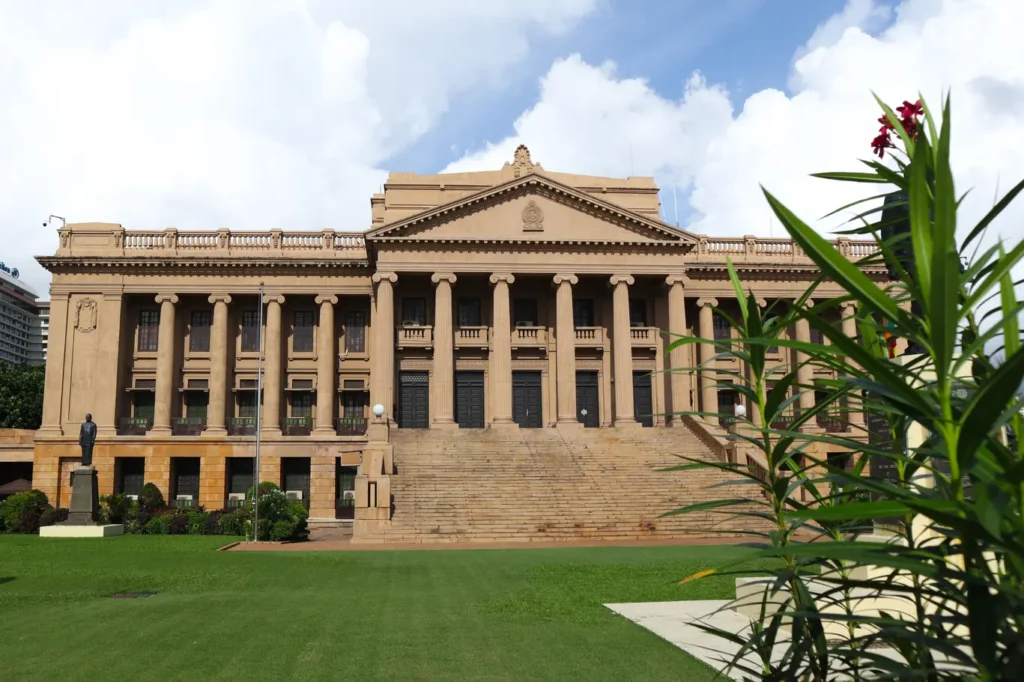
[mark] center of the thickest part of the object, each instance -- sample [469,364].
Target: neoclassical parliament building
[512,324]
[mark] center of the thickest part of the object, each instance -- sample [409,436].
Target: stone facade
[506,299]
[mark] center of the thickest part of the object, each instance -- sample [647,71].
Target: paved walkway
[349,546]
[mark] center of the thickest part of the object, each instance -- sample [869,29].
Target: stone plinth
[92,531]
[85,498]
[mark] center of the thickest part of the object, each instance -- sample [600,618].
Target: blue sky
[745,45]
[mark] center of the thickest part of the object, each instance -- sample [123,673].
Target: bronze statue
[87,438]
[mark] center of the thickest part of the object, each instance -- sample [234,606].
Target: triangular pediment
[531,208]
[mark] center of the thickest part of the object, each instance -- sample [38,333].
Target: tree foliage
[21,395]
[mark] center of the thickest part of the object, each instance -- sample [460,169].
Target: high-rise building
[44,325]
[21,339]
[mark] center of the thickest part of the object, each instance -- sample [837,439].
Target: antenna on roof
[675,202]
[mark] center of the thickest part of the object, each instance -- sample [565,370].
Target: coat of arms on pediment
[85,315]
[533,217]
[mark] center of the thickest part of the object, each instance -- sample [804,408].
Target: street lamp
[378,411]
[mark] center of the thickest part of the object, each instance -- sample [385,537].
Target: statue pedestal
[84,513]
[85,498]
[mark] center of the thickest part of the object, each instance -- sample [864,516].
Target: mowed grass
[531,614]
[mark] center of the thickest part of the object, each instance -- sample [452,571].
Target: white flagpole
[259,411]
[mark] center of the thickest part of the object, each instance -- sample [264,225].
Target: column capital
[439,277]
[849,306]
[381,276]
[274,298]
[761,300]
[326,298]
[713,302]
[571,279]
[672,280]
[617,279]
[173,298]
[216,298]
[502,277]
[809,303]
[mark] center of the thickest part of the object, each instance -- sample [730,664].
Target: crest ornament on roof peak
[521,164]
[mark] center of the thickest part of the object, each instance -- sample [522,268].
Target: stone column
[708,388]
[804,372]
[54,381]
[383,371]
[165,388]
[679,387]
[500,366]
[565,350]
[326,376]
[216,412]
[622,350]
[270,423]
[854,400]
[444,350]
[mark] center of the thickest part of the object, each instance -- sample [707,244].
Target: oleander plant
[917,574]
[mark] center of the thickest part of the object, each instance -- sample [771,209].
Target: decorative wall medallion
[533,217]
[117,240]
[64,236]
[85,315]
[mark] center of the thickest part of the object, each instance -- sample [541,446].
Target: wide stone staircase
[484,485]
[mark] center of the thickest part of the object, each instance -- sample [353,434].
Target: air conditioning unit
[236,496]
[133,497]
[348,495]
[183,497]
[294,495]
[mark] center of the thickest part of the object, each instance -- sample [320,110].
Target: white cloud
[231,113]
[586,117]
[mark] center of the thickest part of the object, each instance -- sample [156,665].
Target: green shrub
[150,498]
[20,503]
[197,522]
[282,530]
[3,503]
[232,522]
[115,508]
[53,515]
[160,524]
[28,522]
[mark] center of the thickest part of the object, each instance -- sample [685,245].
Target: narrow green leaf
[920,220]
[992,215]
[1011,323]
[701,506]
[851,177]
[943,300]
[987,405]
[833,264]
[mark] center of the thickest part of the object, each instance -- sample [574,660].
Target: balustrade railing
[349,426]
[242,426]
[188,426]
[298,426]
[134,426]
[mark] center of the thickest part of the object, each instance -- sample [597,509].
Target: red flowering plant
[908,121]
[936,589]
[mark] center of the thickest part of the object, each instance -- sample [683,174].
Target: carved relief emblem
[533,217]
[85,315]
[64,236]
[521,163]
[117,240]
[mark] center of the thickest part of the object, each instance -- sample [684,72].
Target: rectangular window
[355,331]
[195,405]
[302,404]
[637,312]
[726,401]
[583,312]
[722,330]
[525,312]
[469,312]
[149,330]
[199,331]
[352,404]
[130,473]
[250,331]
[414,311]
[247,404]
[817,337]
[302,331]
[142,405]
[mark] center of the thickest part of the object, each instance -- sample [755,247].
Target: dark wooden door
[643,405]
[526,400]
[587,405]
[413,400]
[469,399]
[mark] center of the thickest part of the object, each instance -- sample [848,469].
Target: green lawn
[532,614]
